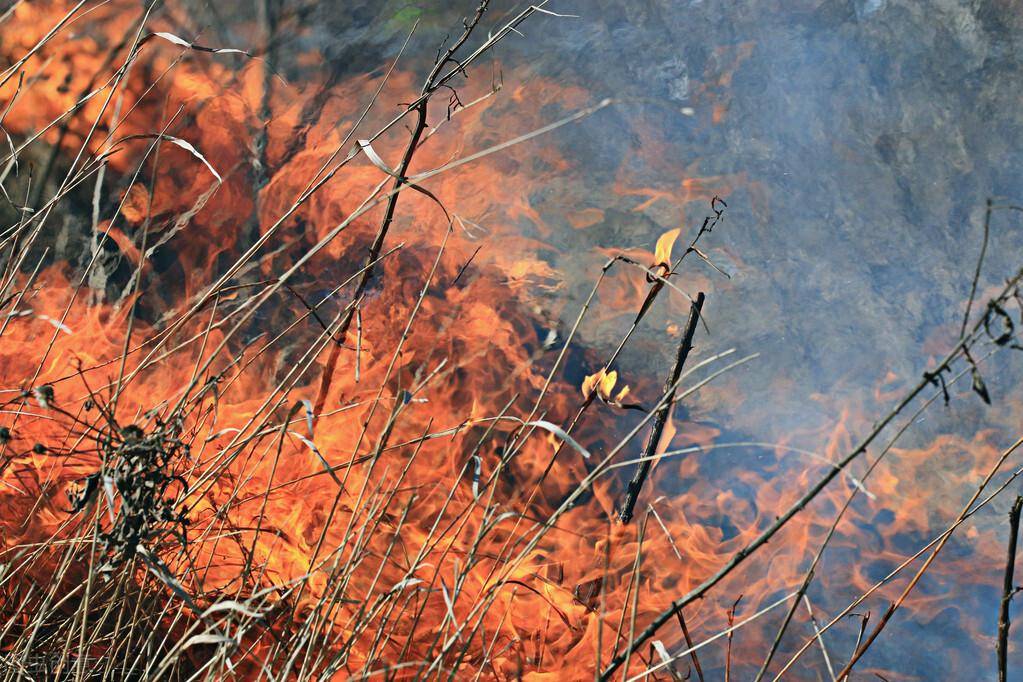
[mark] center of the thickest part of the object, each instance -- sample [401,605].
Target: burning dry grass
[273,412]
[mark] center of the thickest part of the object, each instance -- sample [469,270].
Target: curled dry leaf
[590,382]
[178,142]
[603,382]
[560,434]
[177,40]
[607,384]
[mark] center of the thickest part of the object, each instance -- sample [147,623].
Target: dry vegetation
[319,458]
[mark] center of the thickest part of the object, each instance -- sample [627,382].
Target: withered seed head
[138,469]
[44,395]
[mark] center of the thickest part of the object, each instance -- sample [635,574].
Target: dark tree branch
[1002,647]
[643,470]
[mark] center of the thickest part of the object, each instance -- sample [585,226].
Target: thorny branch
[434,82]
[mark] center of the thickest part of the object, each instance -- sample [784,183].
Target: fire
[662,251]
[603,383]
[402,522]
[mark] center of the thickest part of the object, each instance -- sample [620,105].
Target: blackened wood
[643,470]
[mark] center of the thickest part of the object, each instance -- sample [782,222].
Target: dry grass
[118,588]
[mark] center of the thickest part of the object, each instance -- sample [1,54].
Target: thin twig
[980,266]
[728,644]
[689,644]
[818,635]
[1002,647]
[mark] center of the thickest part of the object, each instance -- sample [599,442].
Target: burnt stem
[1002,647]
[643,470]
[689,643]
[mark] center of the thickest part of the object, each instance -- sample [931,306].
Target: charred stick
[689,645]
[433,82]
[644,467]
[374,252]
[657,285]
[728,649]
[1002,647]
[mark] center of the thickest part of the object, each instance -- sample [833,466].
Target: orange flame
[283,502]
[662,251]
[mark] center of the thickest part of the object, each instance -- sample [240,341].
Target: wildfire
[343,473]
